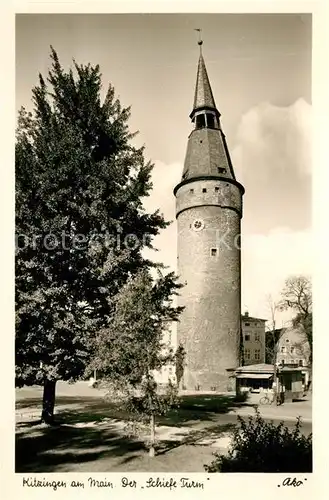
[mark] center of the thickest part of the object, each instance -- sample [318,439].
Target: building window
[292,350]
[221,170]
[283,349]
[300,362]
[247,324]
[287,340]
[257,354]
[247,337]
[213,252]
[191,191]
[257,337]
[247,354]
[216,189]
[204,190]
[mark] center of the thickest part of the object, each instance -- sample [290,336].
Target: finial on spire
[200,41]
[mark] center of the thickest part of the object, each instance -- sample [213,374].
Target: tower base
[209,382]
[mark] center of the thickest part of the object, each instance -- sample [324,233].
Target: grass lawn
[91,438]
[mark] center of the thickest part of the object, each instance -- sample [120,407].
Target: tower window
[214,252]
[204,190]
[210,121]
[221,170]
[216,189]
[200,121]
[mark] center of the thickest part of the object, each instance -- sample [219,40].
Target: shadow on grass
[191,408]
[46,449]
[52,449]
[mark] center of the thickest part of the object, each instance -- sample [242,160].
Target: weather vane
[200,41]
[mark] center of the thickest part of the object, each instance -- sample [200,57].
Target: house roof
[265,368]
[255,375]
[251,318]
[260,368]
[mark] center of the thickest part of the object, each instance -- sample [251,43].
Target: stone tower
[208,212]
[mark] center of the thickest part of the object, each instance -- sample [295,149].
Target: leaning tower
[209,212]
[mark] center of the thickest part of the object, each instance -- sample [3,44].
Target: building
[209,212]
[293,350]
[253,333]
[260,378]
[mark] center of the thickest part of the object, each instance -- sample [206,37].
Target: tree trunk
[48,402]
[152,440]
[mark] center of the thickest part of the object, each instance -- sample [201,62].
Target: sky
[259,66]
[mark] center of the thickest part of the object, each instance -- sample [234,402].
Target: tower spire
[203,96]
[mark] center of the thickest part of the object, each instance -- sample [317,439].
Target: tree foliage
[80,221]
[131,349]
[297,296]
[260,446]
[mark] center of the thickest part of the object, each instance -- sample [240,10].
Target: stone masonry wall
[209,266]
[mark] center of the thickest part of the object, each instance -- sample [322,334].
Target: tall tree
[131,349]
[297,296]
[80,222]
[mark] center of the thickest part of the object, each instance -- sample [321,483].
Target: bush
[259,446]
[242,397]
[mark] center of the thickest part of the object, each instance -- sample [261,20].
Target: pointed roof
[203,97]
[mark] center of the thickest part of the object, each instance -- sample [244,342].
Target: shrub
[259,446]
[242,397]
